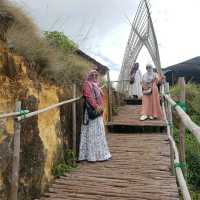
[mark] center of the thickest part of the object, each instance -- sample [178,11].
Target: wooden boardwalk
[139,169]
[128,120]
[130,115]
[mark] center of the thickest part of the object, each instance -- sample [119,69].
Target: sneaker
[143,117]
[151,117]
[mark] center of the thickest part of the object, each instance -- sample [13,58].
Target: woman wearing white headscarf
[150,101]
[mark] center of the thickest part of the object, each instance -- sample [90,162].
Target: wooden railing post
[16,157]
[109,97]
[123,87]
[118,99]
[74,120]
[181,82]
[170,121]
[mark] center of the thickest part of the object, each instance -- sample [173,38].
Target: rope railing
[31,114]
[176,162]
[23,114]
[13,114]
[194,128]
[181,180]
[20,115]
[189,124]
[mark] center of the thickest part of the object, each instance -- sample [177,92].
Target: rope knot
[23,113]
[181,165]
[181,104]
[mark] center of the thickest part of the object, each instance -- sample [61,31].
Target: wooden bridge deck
[128,120]
[139,169]
[130,115]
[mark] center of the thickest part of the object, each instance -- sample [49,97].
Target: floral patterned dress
[93,144]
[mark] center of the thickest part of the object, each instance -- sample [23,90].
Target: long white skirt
[93,144]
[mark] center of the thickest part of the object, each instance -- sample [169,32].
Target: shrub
[66,165]
[59,40]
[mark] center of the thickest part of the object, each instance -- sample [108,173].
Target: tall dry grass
[26,40]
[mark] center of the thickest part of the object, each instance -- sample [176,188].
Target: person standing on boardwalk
[93,144]
[135,89]
[151,100]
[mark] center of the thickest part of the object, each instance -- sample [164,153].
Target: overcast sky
[101,29]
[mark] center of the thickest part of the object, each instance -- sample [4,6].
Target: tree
[60,40]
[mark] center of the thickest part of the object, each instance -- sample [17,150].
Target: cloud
[101,29]
[114,67]
[177,30]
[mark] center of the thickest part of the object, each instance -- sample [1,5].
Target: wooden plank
[130,115]
[139,169]
[16,157]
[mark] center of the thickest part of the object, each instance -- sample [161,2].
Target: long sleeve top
[88,93]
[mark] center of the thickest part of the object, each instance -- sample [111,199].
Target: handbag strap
[85,121]
[95,94]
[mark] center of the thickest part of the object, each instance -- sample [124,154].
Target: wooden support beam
[109,97]
[74,119]
[181,82]
[16,157]
[170,121]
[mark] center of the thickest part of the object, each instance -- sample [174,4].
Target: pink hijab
[90,76]
[94,84]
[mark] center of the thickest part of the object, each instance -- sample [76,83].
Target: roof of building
[100,67]
[190,69]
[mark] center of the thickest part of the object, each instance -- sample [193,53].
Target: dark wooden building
[190,69]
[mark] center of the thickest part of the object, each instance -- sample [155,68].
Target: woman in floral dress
[93,144]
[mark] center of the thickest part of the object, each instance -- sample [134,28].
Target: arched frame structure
[142,34]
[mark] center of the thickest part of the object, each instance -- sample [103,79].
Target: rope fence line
[189,124]
[179,173]
[181,180]
[31,114]
[20,115]
[194,128]
[23,114]
[14,114]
